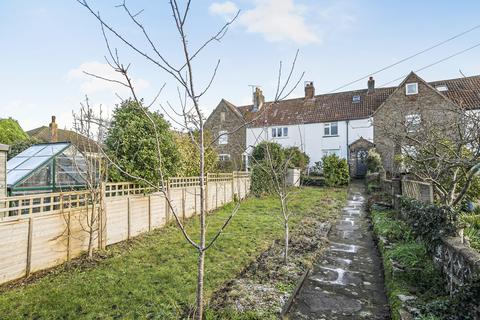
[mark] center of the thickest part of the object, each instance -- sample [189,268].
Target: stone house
[340,123]
[416,103]
[226,126]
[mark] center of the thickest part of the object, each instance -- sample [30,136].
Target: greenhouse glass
[51,167]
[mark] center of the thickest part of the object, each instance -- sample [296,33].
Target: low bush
[374,161]
[335,171]
[429,222]
[313,181]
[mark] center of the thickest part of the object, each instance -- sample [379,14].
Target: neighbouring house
[52,134]
[3,169]
[336,123]
[416,103]
[48,167]
[227,127]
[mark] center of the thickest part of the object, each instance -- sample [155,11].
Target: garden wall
[42,231]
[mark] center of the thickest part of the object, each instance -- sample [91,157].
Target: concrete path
[347,282]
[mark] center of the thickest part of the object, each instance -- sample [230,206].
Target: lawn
[153,276]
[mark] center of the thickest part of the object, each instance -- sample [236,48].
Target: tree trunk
[201,254]
[285,257]
[201,271]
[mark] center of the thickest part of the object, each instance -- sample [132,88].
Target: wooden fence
[42,231]
[421,191]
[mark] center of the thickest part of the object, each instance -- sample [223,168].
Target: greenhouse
[50,167]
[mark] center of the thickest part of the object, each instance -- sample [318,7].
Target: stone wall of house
[223,118]
[390,117]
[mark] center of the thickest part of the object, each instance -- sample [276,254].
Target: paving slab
[347,281]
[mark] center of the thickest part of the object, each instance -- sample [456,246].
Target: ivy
[429,222]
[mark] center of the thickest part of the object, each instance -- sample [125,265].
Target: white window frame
[327,152]
[280,132]
[411,85]
[329,127]
[413,122]
[222,137]
[224,157]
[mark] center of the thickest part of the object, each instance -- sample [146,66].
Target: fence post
[29,247]
[102,221]
[216,194]
[167,206]
[149,212]
[206,192]
[128,218]
[183,203]
[430,187]
[233,185]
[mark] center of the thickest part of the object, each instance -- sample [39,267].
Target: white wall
[310,137]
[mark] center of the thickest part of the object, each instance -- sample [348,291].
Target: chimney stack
[371,85]
[309,90]
[53,130]
[258,99]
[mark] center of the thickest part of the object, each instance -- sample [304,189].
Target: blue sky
[47,44]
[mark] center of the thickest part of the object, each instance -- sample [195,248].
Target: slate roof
[81,142]
[341,106]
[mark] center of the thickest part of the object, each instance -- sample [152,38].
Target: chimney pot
[53,130]
[258,99]
[309,90]
[371,85]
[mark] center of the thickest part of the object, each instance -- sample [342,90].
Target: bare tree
[188,110]
[438,144]
[89,166]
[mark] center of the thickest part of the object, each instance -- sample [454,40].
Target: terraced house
[337,123]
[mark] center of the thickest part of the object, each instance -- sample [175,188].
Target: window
[327,152]
[441,87]
[412,122]
[222,137]
[356,99]
[411,88]
[330,129]
[279,132]
[222,116]
[224,157]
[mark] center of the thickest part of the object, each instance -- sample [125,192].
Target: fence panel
[418,190]
[44,230]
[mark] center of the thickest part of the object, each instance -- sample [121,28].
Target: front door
[361,165]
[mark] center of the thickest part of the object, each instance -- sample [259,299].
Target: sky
[47,45]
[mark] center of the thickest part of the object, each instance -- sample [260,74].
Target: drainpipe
[348,151]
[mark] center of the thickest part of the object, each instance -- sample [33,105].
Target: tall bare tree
[188,109]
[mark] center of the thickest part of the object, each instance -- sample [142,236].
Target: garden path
[347,281]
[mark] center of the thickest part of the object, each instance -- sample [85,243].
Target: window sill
[335,136]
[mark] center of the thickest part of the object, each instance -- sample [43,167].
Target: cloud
[226,9]
[90,85]
[276,20]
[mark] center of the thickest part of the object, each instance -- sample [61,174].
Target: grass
[154,276]
[401,251]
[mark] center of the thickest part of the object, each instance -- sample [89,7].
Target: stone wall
[225,118]
[389,119]
[457,261]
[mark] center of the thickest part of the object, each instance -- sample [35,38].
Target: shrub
[11,132]
[374,161]
[298,158]
[131,144]
[429,222]
[335,170]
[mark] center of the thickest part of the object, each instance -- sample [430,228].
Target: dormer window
[441,87]
[356,99]
[411,88]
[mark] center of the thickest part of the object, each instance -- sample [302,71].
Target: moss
[408,268]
